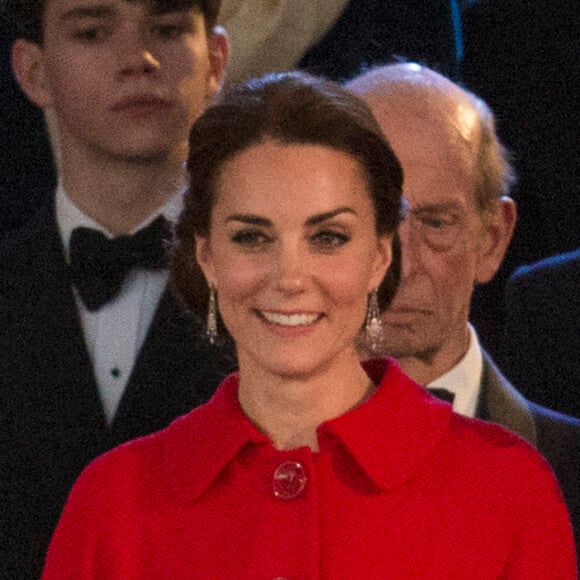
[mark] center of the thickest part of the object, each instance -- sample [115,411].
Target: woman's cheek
[242,278]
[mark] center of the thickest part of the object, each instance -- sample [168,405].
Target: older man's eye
[439,232]
[437,223]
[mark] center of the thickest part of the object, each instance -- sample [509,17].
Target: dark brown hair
[289,108]
[27,16]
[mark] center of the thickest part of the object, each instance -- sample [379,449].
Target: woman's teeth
[290,319]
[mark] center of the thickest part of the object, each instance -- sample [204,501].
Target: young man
[456,231]
[93,348]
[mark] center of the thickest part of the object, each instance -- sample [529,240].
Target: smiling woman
[306,463]
[288,110]
[293,269]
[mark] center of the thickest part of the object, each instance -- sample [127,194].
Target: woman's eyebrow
[255,220]
[249,218]
[321,217]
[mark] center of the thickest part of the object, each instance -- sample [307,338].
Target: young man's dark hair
[27,15]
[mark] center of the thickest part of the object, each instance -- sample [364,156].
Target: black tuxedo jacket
[542,333]
[52,420]
[556,436]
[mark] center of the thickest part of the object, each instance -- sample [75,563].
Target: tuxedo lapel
[155,392]
[176,370]
[501,403]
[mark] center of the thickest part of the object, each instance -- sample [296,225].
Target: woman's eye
[250,239]
[330,240]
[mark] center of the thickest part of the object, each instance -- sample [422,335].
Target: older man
[456,231]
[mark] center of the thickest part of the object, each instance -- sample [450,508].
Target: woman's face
[293,253]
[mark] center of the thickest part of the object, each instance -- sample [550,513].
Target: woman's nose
[290,271]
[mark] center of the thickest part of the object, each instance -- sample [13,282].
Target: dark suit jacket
[555,435]
[542,334]
[52,419]
[371,32]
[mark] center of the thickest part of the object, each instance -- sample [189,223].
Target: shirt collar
[69,216]
[464,379]
[389,435]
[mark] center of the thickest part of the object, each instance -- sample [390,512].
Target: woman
[306,464]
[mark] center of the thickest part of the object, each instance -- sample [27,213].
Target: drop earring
[373,324]
[212,329]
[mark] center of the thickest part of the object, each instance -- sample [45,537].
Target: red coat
[401,488]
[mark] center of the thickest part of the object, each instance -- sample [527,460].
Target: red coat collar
[390,435]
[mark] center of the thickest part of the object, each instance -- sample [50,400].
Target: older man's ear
[498,227]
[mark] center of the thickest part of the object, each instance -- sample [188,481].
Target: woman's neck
[289,410]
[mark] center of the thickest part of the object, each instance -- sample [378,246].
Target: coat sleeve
[543,546]
[99,525]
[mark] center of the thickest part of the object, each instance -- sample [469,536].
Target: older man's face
[441,236]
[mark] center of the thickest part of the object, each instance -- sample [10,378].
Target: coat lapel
[501,403]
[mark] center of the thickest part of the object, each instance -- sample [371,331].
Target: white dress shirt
[464,379]
[115,333]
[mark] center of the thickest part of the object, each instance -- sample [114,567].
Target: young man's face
[124,81]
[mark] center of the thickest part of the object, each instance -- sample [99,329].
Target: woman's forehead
[308,178]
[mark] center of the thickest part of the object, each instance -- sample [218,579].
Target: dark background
[26,172]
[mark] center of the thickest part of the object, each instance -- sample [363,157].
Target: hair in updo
[287,108]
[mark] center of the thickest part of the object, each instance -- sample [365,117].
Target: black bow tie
[98,265]
[443,394]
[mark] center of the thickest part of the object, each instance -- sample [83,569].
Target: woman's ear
[383,259]
[28,64]
[204,258]
[498,229]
